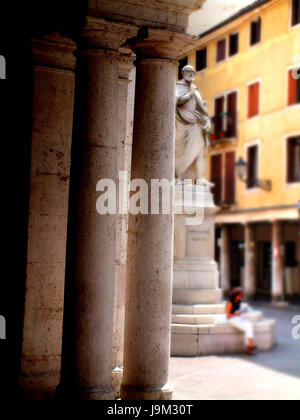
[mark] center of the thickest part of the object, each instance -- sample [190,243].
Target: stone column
[48,209]
[150,243]
[225,259]
[277,262]
[250,262]
[126,108]
[89,298]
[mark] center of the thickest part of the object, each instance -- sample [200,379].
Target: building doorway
[264,268]
[237,262]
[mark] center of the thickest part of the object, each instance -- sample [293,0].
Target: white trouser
[244,325]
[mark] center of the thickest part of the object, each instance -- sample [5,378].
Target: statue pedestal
[199,324]
[196,277]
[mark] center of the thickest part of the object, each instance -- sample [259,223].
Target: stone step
[198,309]
[254,317]
[196,296]
[211,328]
[200,340]
[196,319]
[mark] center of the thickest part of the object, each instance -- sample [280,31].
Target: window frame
[259,82]
[206,63]
[225,50]
[225,178]
[179,64]
[259,18]
[286,154]
[255,189]
[221,155]
[238,44]
[291,25]
[236,91]
[294,66]
[225,95]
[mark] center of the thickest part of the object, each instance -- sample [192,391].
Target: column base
[117,377]
[38,387]
[140,394]
[279,302]
[98,395]
[85,394]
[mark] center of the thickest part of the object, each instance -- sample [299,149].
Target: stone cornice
[164,14]
[183,6]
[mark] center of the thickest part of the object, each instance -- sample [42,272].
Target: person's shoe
[251,350]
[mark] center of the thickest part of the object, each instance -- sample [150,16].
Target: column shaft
[89,299]
[277,262]
[150,241]
[150,246]
[250,262]
[126,108]
[48,208]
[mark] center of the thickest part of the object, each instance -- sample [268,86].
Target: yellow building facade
[248,71]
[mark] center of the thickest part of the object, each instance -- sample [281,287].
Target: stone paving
[274,375]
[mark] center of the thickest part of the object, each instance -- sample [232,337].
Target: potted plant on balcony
[222,134]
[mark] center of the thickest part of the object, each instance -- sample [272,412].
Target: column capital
[99,34]
[161,44]
[54,51]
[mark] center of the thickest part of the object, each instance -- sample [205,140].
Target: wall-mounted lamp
[241,167]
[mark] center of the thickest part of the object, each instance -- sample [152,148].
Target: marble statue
[193,126]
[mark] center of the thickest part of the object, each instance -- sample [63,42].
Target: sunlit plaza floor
[273,375]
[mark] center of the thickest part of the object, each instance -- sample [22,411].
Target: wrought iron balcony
[224,127]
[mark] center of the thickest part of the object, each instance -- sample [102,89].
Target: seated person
[235,318]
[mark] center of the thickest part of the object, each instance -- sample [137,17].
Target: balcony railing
[224,127]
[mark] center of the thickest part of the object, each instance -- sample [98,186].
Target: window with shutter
[230,178]
[221,50]
[225,119]
[201,59]
[253,100]
[294,87]
[216,177]
[255,32]
[296,12]
[182,64]
[231,114]
[293,159]
[233,44]
[219,116]
[252,177]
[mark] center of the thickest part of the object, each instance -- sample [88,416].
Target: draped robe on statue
[192,132]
